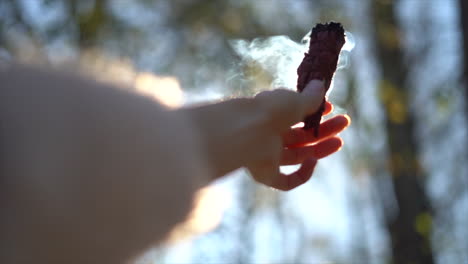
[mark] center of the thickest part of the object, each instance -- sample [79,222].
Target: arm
[89,171]
[91,174]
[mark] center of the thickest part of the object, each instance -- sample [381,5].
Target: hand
[302,147]
[256,133]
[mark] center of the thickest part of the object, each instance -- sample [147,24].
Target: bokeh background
[398,190]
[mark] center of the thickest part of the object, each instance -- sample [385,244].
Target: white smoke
[280,56]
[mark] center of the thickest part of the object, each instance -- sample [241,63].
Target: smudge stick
[326,41]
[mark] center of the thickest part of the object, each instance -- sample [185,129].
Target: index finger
[297,137]
[328,108]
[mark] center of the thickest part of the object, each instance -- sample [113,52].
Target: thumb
[312,96]
[285,107]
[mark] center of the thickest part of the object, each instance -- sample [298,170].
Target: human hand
[299,146]
[256,133]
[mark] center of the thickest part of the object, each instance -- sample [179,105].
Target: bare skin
[93,174]
[256,133]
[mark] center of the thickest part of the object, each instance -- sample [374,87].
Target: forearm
[95,167]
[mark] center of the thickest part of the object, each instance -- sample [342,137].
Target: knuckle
[281,108]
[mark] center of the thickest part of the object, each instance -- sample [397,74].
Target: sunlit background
[398,190]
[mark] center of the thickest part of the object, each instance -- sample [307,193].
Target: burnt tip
[330,26]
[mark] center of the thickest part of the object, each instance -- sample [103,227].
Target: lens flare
[164,89]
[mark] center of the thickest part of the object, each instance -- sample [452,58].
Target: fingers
[324,148]
[302,175]
[297,137]
[328,108]
[280,181]
[285,107]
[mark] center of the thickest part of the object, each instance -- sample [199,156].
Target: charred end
[332,34]
[332,27]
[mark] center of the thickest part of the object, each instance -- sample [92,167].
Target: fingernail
[348,118]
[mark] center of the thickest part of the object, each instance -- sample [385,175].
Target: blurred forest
[398,190]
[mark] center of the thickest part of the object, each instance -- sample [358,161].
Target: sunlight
[209,206]
[165,89]
[208,210]
[300,124]
[122,73]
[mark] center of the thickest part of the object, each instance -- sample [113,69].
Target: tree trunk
[463,7]
[88,24]
[410,228]
[464,30]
